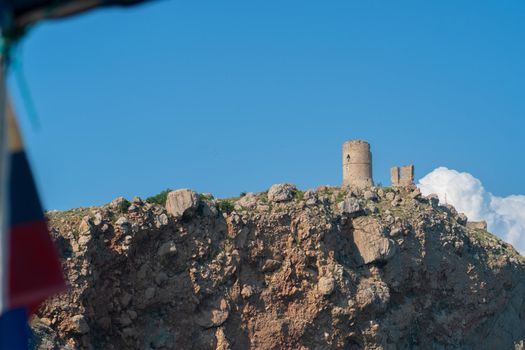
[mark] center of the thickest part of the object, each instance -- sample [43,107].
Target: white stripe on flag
[4,188]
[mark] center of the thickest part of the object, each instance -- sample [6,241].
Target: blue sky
[234,96]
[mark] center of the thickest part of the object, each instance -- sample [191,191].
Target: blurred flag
[31,271]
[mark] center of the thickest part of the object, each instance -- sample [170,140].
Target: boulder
[351,207]
[248,201]
[125,320]
[311,197]
[247,291]
[450,208]
[123,224]
[371,208]
[137,200]
[85,226]
[433,199]
[222,341]
[326,285]
[462,219]
[370,196]
[97,221]
[281,192]
[416,193]
[181,202]
[117,202]
[162,220]
[79,324]
[149,293]
[161,277]
[167,248]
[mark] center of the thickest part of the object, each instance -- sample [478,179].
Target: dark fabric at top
[20,7]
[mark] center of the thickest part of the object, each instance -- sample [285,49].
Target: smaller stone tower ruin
[357,164]
[402,176]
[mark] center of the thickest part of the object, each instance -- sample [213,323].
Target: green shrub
[159,198]
[205,197]
[340,196]
[225,205]
[263,197]
[123,206]
[328,191]
[299,195]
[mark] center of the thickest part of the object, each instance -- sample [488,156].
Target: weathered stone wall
[402,176]
[406,176]
[357,164]
[394,176]
[479,225]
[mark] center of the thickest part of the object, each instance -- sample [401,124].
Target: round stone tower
[357,164]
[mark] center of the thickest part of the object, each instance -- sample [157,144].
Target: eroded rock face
[181,202]
[212,314]
[392,271]
[373,294]
[371,242]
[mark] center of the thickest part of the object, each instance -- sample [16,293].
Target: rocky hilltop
[383,268]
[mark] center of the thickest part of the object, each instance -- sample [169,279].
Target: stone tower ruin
[357,164]
[402,176]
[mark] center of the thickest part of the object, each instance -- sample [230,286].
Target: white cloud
[505,216]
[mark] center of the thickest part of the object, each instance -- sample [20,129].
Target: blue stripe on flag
[14,331]
[25,204]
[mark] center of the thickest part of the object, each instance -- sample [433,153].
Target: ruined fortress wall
[357,164]
[406,177]
[479,225]
[394,176]
[402,176]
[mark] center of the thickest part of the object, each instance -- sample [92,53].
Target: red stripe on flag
[34,269]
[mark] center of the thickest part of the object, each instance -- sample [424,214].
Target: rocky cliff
[284,269]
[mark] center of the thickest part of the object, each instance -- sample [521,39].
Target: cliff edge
[383,268]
